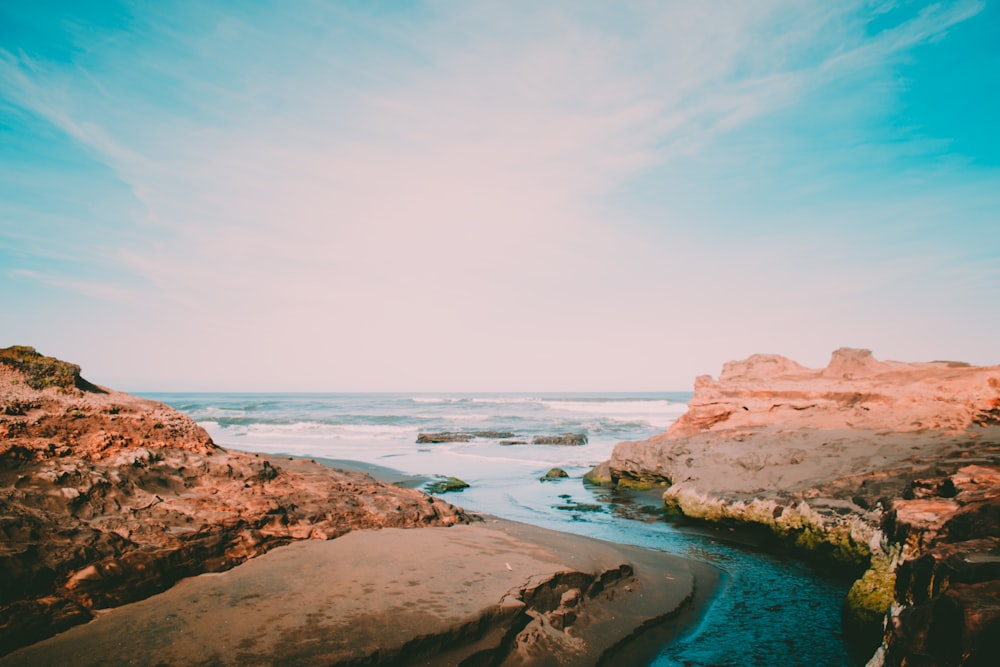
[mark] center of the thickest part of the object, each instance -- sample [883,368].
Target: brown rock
[918,522]
[107,498]
[959,627]
[854,391]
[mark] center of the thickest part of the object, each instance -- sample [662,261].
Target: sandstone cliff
[107,498]
[879,463]
[854,391]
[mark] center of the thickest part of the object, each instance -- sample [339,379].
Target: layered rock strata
[888,465]
[107,498]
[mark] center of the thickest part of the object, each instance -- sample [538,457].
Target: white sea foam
[501,400]
[217,411]
[659,407]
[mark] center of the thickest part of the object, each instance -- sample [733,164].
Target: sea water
[769,611]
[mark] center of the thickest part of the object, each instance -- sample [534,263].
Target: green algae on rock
[41,372]
[553,474]
[444,484]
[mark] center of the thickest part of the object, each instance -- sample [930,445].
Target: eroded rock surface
[855,391]
[107,498]
[869,462]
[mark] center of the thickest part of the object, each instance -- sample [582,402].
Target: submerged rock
[444,484]
[599,475]
[573,506]
[553,474]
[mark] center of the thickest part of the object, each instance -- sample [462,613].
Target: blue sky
[495,195]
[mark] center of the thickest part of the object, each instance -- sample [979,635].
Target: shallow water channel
[769,610]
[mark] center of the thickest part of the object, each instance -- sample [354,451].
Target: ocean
[770,610]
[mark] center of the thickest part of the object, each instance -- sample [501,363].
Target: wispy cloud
[94,290]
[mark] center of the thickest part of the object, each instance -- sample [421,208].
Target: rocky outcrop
[505,438]
[553,474]
[854,391]
[107,498]
[861,462]
[563,439]
[460,436]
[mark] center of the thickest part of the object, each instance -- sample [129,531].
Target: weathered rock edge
[107,498]
[888,466]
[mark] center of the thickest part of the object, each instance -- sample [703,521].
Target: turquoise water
[769,610]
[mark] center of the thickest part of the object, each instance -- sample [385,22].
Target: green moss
[553,474]
[796,527]
[594,478]
[868,601]
[40,371]
[444,484]
[640,484]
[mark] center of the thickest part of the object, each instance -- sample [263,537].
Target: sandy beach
[494,592]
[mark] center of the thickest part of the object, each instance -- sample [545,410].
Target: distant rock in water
[461,436]
[505,438]
[108,498]
[564,439]
[553,474]
[864,462]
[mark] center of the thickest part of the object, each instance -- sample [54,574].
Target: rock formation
[460,436]
[563,439]
[107,498]
[892,466]
[854,391]
[553,474]
[505,438]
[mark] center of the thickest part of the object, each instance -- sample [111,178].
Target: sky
[495,196]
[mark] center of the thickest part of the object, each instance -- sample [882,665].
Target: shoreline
[496,589]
